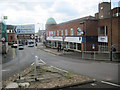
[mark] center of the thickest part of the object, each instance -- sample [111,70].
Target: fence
[96,55]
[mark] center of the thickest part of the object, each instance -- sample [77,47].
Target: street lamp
[83,23]
[110,31]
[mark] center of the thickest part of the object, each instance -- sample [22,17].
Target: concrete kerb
[56,53]
[73,85]
[52,52]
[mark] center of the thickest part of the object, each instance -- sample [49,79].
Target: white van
[30,43]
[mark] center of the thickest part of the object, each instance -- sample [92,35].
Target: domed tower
[50,22]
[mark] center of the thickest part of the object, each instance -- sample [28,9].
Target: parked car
[30,43]
[14,46]
[21,47]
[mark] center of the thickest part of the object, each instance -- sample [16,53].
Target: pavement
[70,54]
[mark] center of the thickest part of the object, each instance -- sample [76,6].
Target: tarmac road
[10,67]
[101,71]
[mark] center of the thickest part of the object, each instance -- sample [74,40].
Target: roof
[76,20]
[51,21]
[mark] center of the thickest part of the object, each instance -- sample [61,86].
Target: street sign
[93,46]
[5,17]
[32,36]
[3,38]
[18,30]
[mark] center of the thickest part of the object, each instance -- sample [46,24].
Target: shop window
[71,45]
[79,46]
[74,45]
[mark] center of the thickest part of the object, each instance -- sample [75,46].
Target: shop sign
[66,39]
[102,39]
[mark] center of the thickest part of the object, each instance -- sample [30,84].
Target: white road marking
[110,83]
[5,70]
[42,61]
[59,69]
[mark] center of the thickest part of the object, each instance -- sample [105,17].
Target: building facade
[11,34]
[87,33]
[78,35]
[107,23]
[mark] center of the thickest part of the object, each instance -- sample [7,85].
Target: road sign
[18,30]
[3,38]
[32,36]
[93,46]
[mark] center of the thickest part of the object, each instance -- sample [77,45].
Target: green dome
[51,21]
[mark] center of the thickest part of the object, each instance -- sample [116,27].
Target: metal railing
[96,55]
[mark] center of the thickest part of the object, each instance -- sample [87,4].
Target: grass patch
[69,75]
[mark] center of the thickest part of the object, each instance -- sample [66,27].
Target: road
[11,67]
[101,71]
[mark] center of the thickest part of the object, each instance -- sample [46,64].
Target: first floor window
[72,31]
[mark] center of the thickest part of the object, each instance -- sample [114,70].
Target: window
[57,32]
[101,8]
[54,32]
[71,31]
[79,31]
[66,32]
[102,31]
[61,32]
[11,37]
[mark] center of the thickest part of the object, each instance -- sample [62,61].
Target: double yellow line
[14,55]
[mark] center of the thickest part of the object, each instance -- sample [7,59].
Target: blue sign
[18,30]
[93,45]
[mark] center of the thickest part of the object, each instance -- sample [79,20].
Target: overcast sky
[38,11]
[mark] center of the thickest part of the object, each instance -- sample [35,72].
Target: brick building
[104,27]
[87,33]
[11,34]
[79,34]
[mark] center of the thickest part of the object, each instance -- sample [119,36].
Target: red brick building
[87,33]
[11,34]
[79,34]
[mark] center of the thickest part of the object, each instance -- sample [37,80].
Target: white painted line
[59,69]
[32,64]
[110,83]
[5,70]
[42,61]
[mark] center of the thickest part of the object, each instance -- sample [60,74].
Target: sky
[38,11]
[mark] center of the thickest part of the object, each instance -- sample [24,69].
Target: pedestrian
[67,47]
[113,49]
[60,47]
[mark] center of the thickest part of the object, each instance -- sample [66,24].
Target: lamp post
[110,32]
[82,23]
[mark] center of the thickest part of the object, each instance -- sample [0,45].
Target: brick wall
[115,31]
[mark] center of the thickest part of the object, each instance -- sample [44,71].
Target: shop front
[72,43]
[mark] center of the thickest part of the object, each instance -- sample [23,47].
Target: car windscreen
[31,43]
